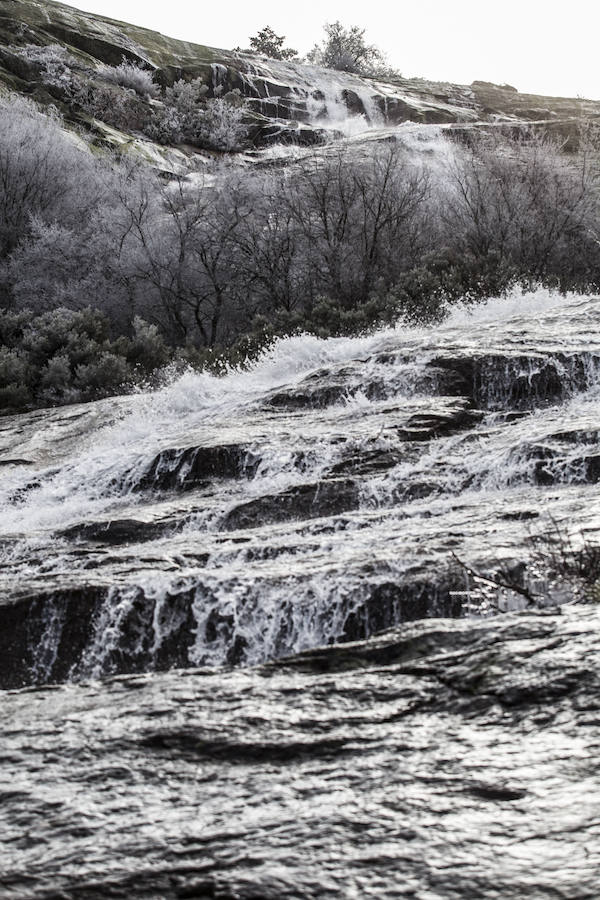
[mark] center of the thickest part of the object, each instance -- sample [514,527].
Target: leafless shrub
[568,559]
[133,76]
[346,50]
[124,110]
[53,61]
[37,166]
[526,200]
[186,115]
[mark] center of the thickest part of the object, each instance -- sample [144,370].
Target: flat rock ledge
[442,759]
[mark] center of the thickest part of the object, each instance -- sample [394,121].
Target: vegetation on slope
[109,271]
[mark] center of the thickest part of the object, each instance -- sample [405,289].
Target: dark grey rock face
[445,759]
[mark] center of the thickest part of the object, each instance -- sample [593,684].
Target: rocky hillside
[286,101]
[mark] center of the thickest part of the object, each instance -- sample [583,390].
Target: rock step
[184,469]
[115,532]
[367,752]
[306,501]
[90,630]
[513,381]
[551,466]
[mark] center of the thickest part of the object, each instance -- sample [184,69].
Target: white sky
[539,46]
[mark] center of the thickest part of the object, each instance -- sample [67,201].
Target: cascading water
[317,496]
[328,107]
[338,103]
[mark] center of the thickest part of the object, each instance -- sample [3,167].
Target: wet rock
[520,515]
[191,467]
[115,531]
[391,602]
[577,436]
[327,387]
[307,501]
[462,754]
[368,462]
[94,629]
[425,427]
[551,464]
[246,532]
[41,637]
[309,395]
[292,132]
[510,381]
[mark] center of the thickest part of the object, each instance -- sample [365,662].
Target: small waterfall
[347,110]
[323,98]
[328,109]
[219,78]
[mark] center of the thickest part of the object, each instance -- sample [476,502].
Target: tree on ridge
[270,44]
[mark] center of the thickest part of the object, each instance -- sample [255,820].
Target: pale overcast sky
[539,46]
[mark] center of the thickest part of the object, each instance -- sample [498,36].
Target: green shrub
[67,356]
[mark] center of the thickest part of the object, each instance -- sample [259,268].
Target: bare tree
[346,50]
[358,220]
[523,199]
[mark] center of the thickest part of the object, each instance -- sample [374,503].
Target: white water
[317,96]
[320,93]
[287,580]
[328,109]
[198,400]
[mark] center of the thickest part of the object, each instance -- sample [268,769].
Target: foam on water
[194,407]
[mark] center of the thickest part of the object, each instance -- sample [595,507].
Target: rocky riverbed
[325,626]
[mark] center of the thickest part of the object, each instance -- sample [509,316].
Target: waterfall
[327,107]
[325,99]
[314,497]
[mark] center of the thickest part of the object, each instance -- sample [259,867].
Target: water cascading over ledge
[319,497]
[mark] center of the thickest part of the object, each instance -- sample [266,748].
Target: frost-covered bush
[121,109]
[221,126]
[186,97]
[53,61]
[186,115]
[346,50]
[179,118]
[43,173]
[165,126]
[133,76]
